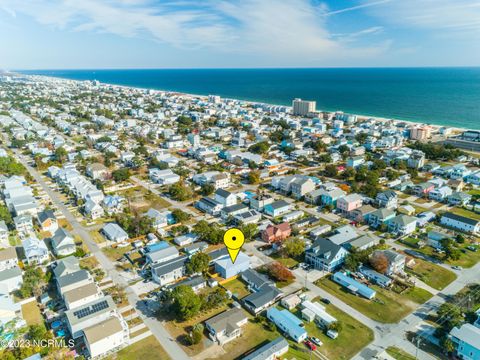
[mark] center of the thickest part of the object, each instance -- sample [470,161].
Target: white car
[332,334]
[316,340]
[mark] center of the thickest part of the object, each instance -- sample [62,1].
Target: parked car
[310,345]
[472,248]
[316,340]
[456,267]
[326,301]
[332,334]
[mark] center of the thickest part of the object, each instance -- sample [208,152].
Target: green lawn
[353,337]
[399,354]
[387,307]
[146,349]
[285,261]
[115,253]
[97,237]
[466,213]
[467,258]
[431,274]
[31,313]
[238,288]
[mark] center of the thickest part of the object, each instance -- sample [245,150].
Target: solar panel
[91,309]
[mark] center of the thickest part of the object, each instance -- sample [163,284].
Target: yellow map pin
[233,240]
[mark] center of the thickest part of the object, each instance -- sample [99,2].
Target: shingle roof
[460,218]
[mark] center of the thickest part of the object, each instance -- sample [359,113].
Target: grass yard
[238,288]
[89,263]
[399,354]
[387,307]
[115,253]
[285,261]
[466,213]
[97,237]
[467,258]
[142,199]
[146,349]
[31,313]
[431,274]
[474,192]
[62,222]
[353,337]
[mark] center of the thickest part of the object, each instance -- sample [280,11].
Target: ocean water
[441,96]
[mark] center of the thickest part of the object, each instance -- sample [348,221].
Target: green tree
[259,148]
[331,170]
[253,177]
[180,192]
[249,231]
[61,154]
[294,247]
[180,216]
[196,334]
[186,304]
[120,175]
[207,189]
[198,263]
[5,215]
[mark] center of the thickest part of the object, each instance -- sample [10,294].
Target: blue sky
[64,34]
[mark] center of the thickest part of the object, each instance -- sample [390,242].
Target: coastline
[435,127]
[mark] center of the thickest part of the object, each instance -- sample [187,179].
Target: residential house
[227,269]
[10,280]
[355,161]
[349,203]
[375,277]
[277,208]
[313,311]
[361,214]
[262,299]
[435,238]
[353,286]
[233,210]
[162,255]
[47,221]
[291,301]
[170,271]
[93,209]
[440,194]
[402,224]
[270,351]
[422,189]
[36,251]
[63,243]
[98,171]
[461,223]
[23,224]
[8,258]
[466,340]
[380,217]
[209,206]
[114,232]
[301,186]
[396,261]
[163,177]
[387,199]
[259,201]
[82,295]
[161,219]
[248,217]
[325,255]
[459,198]
[106,336]
[4,234]
[225,198]
[276,233]
[287,323]
[73,280]
[227,325]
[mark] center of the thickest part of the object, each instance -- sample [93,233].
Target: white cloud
[461,17]
[288,30]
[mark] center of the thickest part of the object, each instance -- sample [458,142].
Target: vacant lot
[142,199]
[431,274]
[146,349]
[466,213]
[387,307]
[31,313]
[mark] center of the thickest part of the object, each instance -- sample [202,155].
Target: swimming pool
[56,324]
[61,332]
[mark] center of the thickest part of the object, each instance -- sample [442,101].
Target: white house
[461,223]
[106,336]
[63,243]
[225,198]
[35,250]
[114,233]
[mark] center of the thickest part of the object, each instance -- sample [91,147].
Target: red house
[276,233]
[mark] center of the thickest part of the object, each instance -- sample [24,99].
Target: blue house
[467,341]
[288,323]
[325,255]
[353,285]
[330,197]
[277,208]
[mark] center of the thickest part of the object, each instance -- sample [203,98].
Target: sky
[96,34]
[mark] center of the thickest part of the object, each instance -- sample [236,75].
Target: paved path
[171,347]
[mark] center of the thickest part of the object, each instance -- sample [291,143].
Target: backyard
[146,349]
[387,307]
[31,313]
[431,274]
[237,287]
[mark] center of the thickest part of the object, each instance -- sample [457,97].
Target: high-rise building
[303,107]
[420,132]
